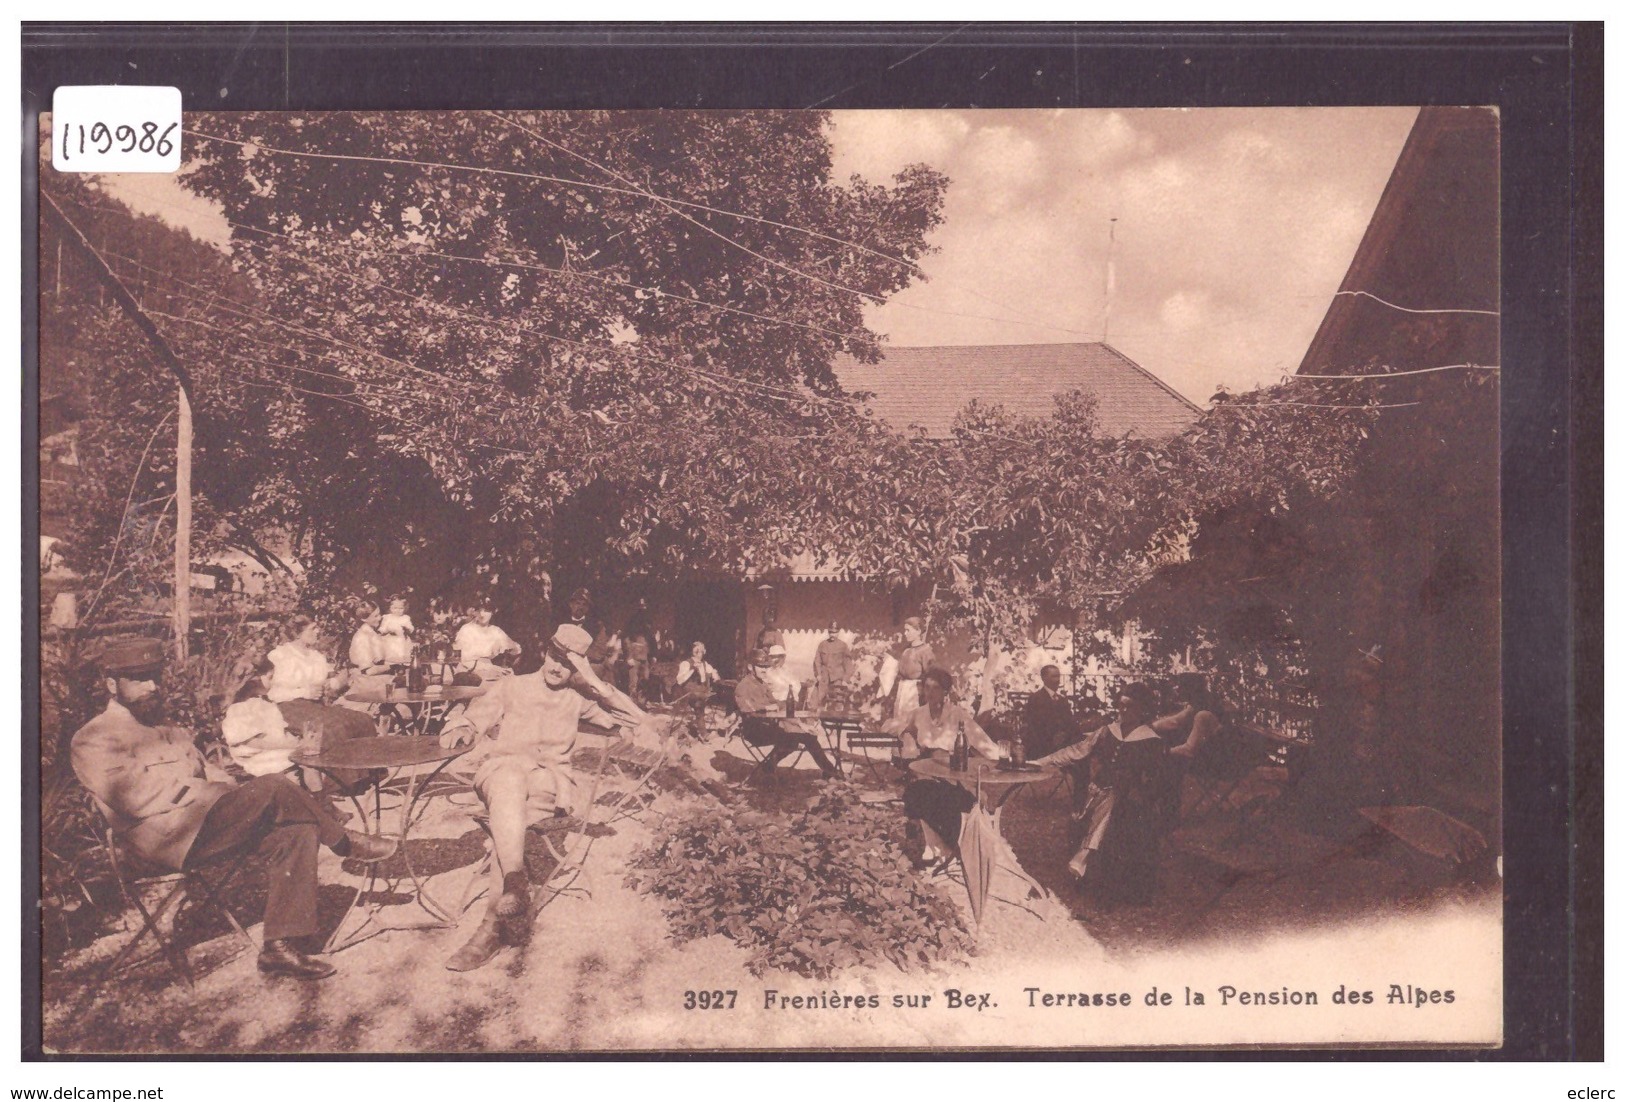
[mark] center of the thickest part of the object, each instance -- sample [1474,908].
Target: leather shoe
[515,898]
[280,958]
[480,948]
[370,847]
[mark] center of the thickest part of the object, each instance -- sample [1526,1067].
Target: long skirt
[1121,841]
[939,805]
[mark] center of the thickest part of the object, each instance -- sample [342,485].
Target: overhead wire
[717,379]
[719,235]
[1415,310]
[807,397]
[1366,377]
[671,204]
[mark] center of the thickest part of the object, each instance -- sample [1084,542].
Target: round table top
[383,752]
[835,716]
[981,771]
[452,693]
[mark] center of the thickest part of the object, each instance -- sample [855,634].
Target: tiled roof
[928,386]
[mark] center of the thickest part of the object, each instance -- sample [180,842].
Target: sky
[1234,226]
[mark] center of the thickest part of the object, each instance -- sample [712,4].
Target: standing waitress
[913,660]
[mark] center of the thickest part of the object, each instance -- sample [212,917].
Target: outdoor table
[838,723]
[977,859]
[427,708]
[401,758]
[801,719]
[984,778]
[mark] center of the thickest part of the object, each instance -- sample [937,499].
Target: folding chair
[630,773]
[873,740]
[759,753]
[1220,767]
[136,876]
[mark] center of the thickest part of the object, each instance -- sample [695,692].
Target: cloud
[1233,228]
[877,144]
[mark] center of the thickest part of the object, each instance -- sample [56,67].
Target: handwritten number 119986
[102,138]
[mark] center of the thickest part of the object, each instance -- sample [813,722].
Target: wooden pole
[183,528]
[183,435]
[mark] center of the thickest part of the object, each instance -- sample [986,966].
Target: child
[258,738]
[396,628]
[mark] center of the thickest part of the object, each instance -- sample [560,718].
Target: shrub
[809,893]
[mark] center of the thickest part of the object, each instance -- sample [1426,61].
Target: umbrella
[983,855]
[979,856]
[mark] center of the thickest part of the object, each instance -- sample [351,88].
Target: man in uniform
[163,801]
[765,724]
[524,772]
[832,664]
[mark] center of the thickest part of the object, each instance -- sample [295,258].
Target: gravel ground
[601,974]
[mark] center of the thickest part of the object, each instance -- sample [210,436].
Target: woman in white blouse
[369,650]
[931,730]
[480,643]
[300,682]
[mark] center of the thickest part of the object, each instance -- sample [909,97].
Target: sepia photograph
[830,580]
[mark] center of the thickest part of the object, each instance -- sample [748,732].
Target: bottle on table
[1018,750]
[790,703]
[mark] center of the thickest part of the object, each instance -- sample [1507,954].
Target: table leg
[334,943]
[413,807]
[420,793]
[832,738]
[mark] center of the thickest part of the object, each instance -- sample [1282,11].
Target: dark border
[1545,79]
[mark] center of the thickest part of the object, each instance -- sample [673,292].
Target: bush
[810,893]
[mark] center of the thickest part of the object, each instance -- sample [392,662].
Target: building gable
[928,386]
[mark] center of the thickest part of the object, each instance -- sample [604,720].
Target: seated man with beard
[163,801]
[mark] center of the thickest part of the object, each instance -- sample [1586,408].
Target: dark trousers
[284,824]
[785,743]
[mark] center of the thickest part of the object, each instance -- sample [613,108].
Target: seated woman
[485,649]
[1126,810]
[931,730]
[369,651]
[1197,722]
[694,682]
[300,682]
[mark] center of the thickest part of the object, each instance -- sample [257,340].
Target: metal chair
[1221,766]
[874,740]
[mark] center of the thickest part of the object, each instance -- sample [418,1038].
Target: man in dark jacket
[1048,723]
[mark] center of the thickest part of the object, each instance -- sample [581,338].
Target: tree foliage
[525,350]
[455,349]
